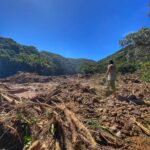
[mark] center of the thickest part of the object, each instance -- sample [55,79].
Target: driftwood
[81,126]
[10,100]
[37,146]
[145,130]
[57,119]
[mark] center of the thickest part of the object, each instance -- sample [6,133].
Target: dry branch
[146,131]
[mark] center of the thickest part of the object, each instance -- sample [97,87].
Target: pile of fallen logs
[71,117]
[27,124]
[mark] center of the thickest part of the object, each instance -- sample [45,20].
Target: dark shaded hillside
[15,57]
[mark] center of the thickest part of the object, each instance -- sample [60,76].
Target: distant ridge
[15,57]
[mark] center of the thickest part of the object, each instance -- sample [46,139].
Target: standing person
[111,76]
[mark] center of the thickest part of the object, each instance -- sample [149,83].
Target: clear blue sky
[73,28]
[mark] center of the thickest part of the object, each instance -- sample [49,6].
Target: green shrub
[108,93]
[145,69]
[127,68]
[102,82]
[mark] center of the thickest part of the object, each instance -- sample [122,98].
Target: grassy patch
[108,93]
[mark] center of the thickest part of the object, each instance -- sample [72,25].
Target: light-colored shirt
[112,72]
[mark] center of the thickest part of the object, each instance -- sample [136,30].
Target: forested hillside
[15,57]
[134,53]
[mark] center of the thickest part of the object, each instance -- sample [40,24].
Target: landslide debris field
[73,113]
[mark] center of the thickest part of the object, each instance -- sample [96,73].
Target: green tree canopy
[142,37]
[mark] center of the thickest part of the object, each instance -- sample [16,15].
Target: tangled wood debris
[73,116]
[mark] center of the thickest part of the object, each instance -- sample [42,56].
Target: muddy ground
[74,113]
